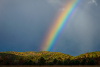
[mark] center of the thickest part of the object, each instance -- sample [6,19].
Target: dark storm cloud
[82,32]
[24,24]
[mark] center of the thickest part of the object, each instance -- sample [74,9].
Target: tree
[41,61]
[1,60]
[55,61]
[91,62]
[71,62]
[83,61]
[76,62]
[50,63]
[67,61]
[30,62]
[21,61]
[60,62]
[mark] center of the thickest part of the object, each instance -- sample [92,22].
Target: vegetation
[48,58]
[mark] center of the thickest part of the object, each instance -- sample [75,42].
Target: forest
[48,58]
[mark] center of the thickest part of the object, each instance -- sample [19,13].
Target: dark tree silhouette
[1,60]
[83,61]
[55,61]
[66,62]
[76,62]
[91,62]
[30,62]
[41,61]
[60,62]
[50,63]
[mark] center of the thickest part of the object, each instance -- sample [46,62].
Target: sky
[25,23]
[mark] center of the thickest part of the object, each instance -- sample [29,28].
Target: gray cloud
[80,32]
[24,24]
[92,2]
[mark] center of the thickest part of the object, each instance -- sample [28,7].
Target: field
[50,66]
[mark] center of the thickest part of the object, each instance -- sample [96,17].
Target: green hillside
[48,58]
[89,54]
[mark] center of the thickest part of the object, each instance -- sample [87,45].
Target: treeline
[42,61]
[84,59]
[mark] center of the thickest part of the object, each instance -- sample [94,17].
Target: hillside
[49,58]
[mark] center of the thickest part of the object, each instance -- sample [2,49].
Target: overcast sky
[24,24]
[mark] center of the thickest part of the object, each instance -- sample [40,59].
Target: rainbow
[57,28]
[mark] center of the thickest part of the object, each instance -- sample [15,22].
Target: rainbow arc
[57,28]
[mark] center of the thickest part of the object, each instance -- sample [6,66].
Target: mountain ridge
[31,57]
